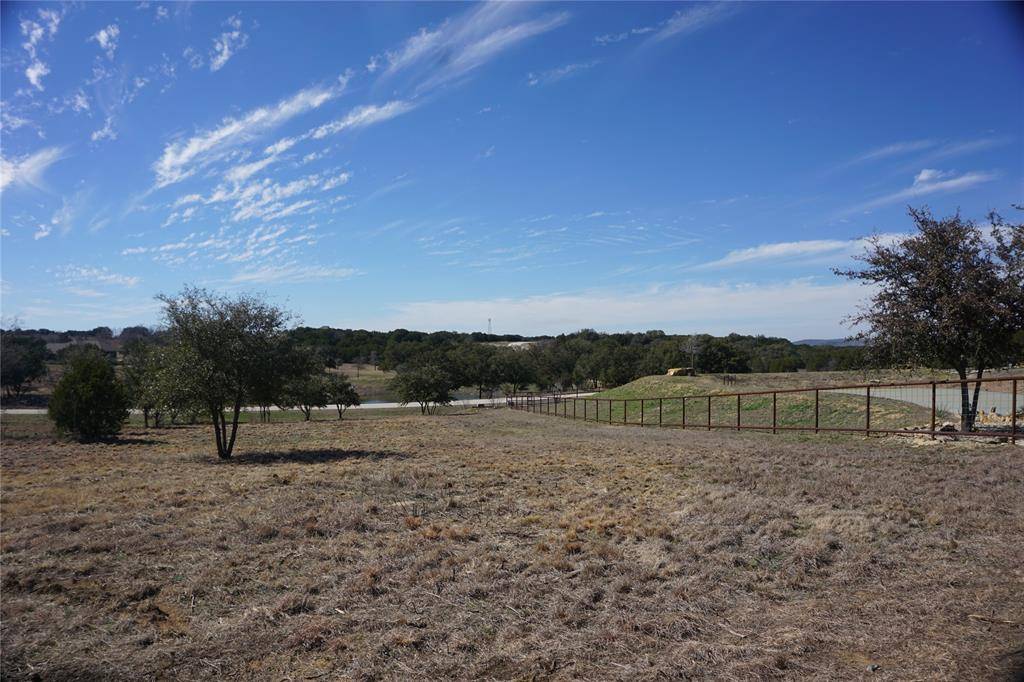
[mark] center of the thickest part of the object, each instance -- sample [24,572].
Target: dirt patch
[506,545]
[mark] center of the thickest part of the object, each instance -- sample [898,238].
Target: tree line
[951,295]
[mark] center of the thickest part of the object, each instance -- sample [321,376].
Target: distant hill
[828,342]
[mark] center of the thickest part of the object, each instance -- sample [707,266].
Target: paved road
[947,398]
[488,402]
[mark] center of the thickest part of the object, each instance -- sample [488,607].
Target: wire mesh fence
[992,407]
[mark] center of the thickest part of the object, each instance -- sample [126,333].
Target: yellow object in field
[681,372]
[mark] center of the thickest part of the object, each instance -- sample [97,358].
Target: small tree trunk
[966,420]
[307,411]
[974,401]
[145,416]
[234,426]
[217,415]
[341,411]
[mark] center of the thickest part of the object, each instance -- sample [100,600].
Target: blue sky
[688,167]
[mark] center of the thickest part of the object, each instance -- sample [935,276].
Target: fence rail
[921,408]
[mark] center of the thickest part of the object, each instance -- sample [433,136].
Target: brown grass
[505,545]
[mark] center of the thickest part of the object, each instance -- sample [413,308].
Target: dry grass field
[499,545]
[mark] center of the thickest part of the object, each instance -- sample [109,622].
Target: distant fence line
[929,408]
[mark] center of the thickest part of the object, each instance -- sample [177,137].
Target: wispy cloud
[888,151]
[28,170]
[951,150]
[228,43]
[555,75]
[107,38]
[107,132]
[928,181]
[292,273]
[781,252]
[183,158]
[363,116]
[71,274]
[693,19]
[610,38]
[931,151]
[35,31]
[436,57]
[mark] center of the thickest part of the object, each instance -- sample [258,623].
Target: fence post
[709,413]
[642,411]
[867,412]
[1013,410]
[625,408]
[816,401]
[775,403]
[574,406]
[584,409]
[737,411]
[933,411]
[609,410]
[684,411]
[659,411]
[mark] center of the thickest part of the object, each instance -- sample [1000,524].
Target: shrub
[89,401]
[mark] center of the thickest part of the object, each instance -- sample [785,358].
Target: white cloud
[449,52]
[554,75]
[781,251]
[363,116]
[34,32]
[28,170]
[35,72]
[610,38]
[79,102]
[9,121]
[292,273]
[107,39]
[228,43]
[181,159]
[928,181]
[692,19]
[194,59]
[795,309]
[890,150]
[336,181]
[244,171]
[107,132]
[95,275]
[84,292]
[937,150]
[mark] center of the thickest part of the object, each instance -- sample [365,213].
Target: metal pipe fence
[994,408]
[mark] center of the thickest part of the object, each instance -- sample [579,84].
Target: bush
[89,401]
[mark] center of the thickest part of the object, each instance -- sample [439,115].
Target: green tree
[476,366]
[515,369]
[341,393]
[89,401]
[430,385]
[306,389]
[22,361]
[224,349]
[140,375]
[946,296]
[718,356]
